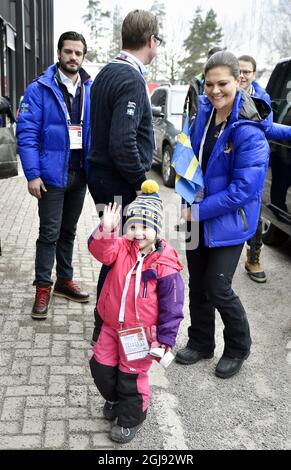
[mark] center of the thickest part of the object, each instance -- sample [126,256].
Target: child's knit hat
[147,208]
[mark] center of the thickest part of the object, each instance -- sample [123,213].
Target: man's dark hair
[215,49]
[249,58]
[137,28]
[71,36]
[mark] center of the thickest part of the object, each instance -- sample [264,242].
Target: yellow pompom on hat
[147,208]
[149,187]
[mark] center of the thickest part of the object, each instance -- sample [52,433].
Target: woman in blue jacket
[228,135]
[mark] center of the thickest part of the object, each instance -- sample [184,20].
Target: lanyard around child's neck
[138,266]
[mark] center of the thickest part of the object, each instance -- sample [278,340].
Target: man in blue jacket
[53,136]
[248,83]
[122,136]
[253,266]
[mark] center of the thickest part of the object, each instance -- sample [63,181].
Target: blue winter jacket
[42,129]
[235,173]
[275,131]
[260,92]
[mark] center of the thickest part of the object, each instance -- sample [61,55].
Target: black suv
[277,193]
[167,107]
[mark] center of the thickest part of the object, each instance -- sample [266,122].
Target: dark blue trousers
[59,211]
[106,186]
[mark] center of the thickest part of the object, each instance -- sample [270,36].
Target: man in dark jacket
[53,135]
[122,137]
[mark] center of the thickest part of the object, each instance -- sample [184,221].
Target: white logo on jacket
[131,105]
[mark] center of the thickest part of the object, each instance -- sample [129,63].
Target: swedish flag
[189,177]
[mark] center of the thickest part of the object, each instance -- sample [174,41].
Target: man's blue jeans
[59,211]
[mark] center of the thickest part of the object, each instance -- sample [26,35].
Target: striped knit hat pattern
[147,208]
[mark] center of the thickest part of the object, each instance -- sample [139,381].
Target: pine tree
[157,68]
[276,30]
[93,20]
[116,31]
[204,34]
[105,36]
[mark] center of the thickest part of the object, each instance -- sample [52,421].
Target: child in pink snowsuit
[143,292]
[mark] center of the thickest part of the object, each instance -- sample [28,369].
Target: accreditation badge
[76,136]
[134,343]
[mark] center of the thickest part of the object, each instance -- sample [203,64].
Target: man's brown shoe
[70,290]
[41,302]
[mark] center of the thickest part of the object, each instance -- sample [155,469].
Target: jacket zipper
[244,219]
[208,223]
[208,230]
[144,294]
[175,291]
[66,160]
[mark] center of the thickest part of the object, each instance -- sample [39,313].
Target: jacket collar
[65,81]
[242,100]
[48,77]
[133,249]
[245,109]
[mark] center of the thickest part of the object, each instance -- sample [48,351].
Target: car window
[177,101]
[158,98]
[282,95]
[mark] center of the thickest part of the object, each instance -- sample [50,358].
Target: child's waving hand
[111,217]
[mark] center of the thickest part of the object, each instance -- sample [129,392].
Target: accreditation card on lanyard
[76,130]
[133,340]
